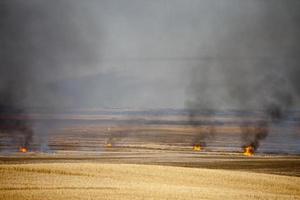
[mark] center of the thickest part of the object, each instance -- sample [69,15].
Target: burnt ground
[270,164]
[156,140]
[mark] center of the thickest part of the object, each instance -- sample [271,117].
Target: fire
[109,145]
[197,147]
[23,149]
[249,151]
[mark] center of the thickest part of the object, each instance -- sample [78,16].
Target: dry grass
[129,181]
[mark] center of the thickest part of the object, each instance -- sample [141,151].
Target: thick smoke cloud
[153,54]
[195,54]
[253,135]
[41,43]
[255,64]
[255,61]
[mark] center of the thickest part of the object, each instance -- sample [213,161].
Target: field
[149,174]
[128,181]
[147,157]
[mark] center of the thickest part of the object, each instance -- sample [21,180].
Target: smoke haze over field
[204,54]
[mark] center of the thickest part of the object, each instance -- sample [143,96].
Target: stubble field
[130,181]
[146,159]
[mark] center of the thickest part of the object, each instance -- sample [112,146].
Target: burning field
[147,156]
[162,99]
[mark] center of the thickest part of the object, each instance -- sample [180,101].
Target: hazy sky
[150,54]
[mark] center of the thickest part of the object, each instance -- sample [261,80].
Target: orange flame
[197,147]
[249,151]
[23,149]
[109,145]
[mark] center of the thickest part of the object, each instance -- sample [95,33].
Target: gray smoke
[255,64]
[41,43]
[195,54]
[253,135]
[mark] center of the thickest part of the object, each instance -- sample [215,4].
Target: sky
[198,54]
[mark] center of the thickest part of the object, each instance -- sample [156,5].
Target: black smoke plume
[253,135]
[253,67]
[205,129]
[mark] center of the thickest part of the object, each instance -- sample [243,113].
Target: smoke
[20,129]
[203,135]
[42,42]
[253,135]
[204,126]
[254,65]
[276,96]
[198,54]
